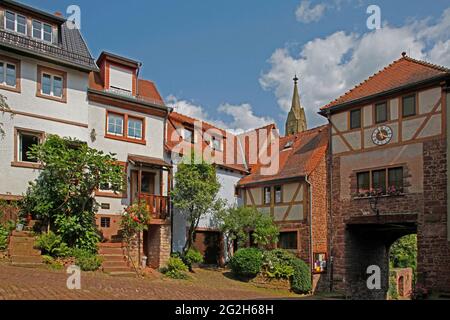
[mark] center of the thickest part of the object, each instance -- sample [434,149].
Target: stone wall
[354,250]
[434,249]
[157,246]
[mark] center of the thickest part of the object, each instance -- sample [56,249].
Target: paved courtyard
[41,284]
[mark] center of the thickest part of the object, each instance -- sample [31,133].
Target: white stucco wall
[228,181]
[14,181]
[154,133]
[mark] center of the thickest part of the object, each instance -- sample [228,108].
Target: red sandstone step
[22,245]
[27,240]
[117,269]
[128,274]
[26,259]
[24,252]
[111,251]
[114,257]
[110,245]
[26,234]
[115,264]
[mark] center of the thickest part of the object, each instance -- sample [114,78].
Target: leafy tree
[238,223]
[63,196]
[3,108]
[403,253]
[195,193]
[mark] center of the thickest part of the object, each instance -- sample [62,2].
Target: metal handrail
[42,47]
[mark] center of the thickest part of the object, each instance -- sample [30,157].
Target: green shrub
[52,263]
[301,279]
[4,234]
[278,264]
[5,231]
[175,269]
[191,257]
[52,245]
[86,260]
[392,292]
[247,262]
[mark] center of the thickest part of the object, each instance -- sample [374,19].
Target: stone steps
[115,261]
[21,250]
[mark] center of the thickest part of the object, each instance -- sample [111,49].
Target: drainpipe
[311,253]
[330,194]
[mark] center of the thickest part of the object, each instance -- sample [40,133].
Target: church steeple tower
[296,121]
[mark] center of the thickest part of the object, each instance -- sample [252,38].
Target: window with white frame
[15,22]
[115,124]
[52,85]
[42,31]
[134,128]
[8,74]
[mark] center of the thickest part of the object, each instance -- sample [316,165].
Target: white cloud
[307,13]
[242,116]
[330,66]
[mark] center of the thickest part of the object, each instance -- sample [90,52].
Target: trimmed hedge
[247,262]
[301,280]
[278,264]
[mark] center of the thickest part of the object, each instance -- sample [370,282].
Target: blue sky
[232,62]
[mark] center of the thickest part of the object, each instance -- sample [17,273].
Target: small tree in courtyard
[239,223]
[3,109]
[63,196]
[195,194]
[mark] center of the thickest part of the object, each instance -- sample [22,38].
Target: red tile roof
[308,149]
[400,73]
[178,120]
[147,91]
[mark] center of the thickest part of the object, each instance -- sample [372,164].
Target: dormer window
[42,31]
[15,22]
[121,80]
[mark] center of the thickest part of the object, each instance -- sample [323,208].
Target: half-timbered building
[389,175]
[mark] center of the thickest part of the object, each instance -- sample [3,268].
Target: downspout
[311,248]
[330,194]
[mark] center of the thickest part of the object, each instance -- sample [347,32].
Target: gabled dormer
[119,74]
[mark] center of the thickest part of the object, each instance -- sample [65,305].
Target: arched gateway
[388,176]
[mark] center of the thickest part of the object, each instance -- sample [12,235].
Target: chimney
[58,14]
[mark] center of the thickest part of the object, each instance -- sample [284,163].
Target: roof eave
[58,61]
[271,181]
[338,107]
[131,100]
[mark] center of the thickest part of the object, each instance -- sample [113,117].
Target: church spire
[296,121]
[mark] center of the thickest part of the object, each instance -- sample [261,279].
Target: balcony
[44,49]
[158,206]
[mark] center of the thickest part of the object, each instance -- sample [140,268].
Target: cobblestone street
[41,284]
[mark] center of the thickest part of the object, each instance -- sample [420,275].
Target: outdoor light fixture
[373,202]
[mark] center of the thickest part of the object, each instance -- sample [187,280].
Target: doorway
[144,186]
[208,243]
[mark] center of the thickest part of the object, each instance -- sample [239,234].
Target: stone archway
[368,242]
